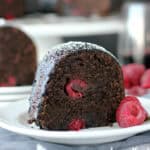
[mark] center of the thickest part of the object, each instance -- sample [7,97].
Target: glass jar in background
[134,41]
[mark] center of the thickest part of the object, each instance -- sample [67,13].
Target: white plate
[13,117]
[15,90]
[12,97]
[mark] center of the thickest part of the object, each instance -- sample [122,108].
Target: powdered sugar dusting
[47,66]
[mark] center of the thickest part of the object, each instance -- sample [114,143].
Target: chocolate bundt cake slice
[77,85]
[17,57]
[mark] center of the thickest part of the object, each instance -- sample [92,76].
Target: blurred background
[121,26]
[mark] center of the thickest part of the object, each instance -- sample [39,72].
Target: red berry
[9,16]
[75,88]
[130,112]
[12,81]
[132,74]
[3,84]
[136,91]
[130,98]
[145,80]
[8,1]
[77,124]
[127,83]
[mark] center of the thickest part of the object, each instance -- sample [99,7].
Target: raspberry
[126,78]
[136,91]
[8,1]
[130,98]
[132,74]
[145,80]
[130,112]
[76,124]
[9,16]
[75,88]
[12,81]
[3,84]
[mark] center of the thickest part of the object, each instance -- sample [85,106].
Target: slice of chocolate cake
[77,85]
[17,57]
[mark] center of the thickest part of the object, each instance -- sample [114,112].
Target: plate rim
[15,89]
[86,133]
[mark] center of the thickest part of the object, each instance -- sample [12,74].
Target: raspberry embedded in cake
[9,15]
[77,85]
[75,88]
[9,1]
[76,124]
[12,81]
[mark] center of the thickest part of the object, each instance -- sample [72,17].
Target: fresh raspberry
[145,80]
[12,81]
[136,91]
[76,124]
[130,112]
[132,74]
[75,88]
[127,83]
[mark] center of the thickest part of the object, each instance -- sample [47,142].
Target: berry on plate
[136,91]
[132,74]
[130,112]
[145,80]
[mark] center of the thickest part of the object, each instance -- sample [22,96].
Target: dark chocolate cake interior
[100,98]
[17,57]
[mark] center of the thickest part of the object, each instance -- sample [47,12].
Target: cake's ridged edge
[46,67]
